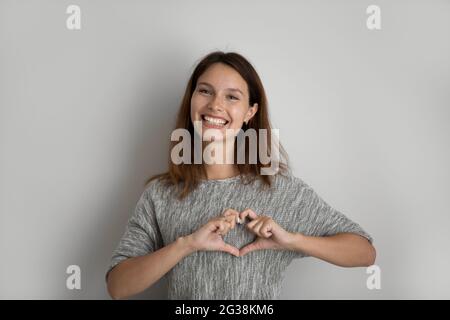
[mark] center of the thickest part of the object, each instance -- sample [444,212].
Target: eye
[203,91]
[233,97]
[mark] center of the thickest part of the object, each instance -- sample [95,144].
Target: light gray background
[86,116]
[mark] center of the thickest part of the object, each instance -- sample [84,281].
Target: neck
[221,152]
[221,171]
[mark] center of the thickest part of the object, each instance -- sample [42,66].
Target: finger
[240,217]
[248,213]
[234,214]
[230,249]
[231,219]
[243,214]
[266,229]
[224,227]
[230,211]
[220,227]
[248,248]
[213,225]
[236,218]
[257,227]
[252,224]
[233,222]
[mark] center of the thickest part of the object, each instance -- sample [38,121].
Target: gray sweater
[160,218]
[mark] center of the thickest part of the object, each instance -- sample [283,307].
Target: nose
[216,104]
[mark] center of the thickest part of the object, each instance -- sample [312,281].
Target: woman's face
[221,100]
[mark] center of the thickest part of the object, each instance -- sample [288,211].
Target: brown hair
[191,173]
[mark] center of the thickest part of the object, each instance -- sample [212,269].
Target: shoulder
[157,189]
[293,188]
[288,181]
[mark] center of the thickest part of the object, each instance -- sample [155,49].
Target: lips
[213,121]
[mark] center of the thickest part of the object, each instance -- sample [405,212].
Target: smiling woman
[224,94]
[224,231]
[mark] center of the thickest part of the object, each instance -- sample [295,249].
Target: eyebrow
[231,89]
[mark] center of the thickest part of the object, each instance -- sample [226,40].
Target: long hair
[190,174]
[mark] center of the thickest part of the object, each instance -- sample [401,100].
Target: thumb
[248,248]
[214,226]
[230,249]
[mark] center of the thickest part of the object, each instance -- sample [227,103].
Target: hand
[209,236]
[270,235]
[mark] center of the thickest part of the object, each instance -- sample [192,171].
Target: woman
[224,230]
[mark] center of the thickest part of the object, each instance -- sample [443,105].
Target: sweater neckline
[224,180]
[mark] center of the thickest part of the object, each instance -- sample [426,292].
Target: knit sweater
[160,218]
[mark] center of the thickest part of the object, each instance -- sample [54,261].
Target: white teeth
[215,120]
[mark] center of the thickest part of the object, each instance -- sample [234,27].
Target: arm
[343,249]
[136,274]
[140,272]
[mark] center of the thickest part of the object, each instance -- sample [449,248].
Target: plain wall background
[86,117]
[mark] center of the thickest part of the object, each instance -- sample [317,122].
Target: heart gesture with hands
[270,235]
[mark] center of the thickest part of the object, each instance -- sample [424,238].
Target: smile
[215,122]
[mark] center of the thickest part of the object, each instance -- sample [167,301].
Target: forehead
[221,76]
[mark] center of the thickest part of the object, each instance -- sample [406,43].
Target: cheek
[195,105]
[198,102]
[237,115]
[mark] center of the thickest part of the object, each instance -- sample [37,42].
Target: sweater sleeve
[142,234]
[315,217]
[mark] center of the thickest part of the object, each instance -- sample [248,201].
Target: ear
[251,112]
